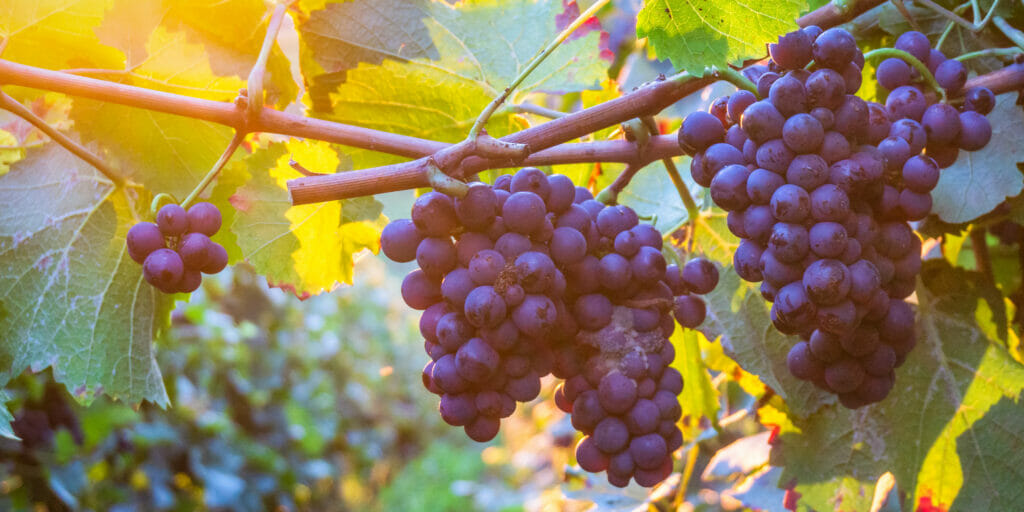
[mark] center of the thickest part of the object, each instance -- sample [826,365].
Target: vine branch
[11,105]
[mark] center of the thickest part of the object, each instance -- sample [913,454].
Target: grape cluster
[532,276]
[176,250]
[820,186]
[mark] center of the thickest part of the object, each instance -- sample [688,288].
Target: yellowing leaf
[56,34]
[307,249]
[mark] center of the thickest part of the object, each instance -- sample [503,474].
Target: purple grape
[765,82]
[802,364]
[852,118]
[844,376]
[788,96]
[942,124]
[912,132]
[720,109]
[484,307]
[975,131]
[774,156]
[589,457]
[194,249]
[476,361]
[803,133]
[648,265]
[827,282]
[729,188]
[893,73]
[433,214]
[700,276]
[699,131]
[689,310]
[914,43]
[204,218]
[825,88]
[420,291]
[746,261]
[789,242]
[895,152]
[808,172]
[827,239]
[793,51]
[906,102]
[915,205]
[738,103]
[142,239]
[834,48]
[172,220]
[399,240]
[217,259]
[980,100]
[530,179]
[524,212]
[163,269]
[920,174]
[478,208]
[935,57]
[568,246]
[834,147]
[878,123]
[762,183]
[615,272]
[790,203]
[951,75]
[535,316]
[536,272]
[762,121]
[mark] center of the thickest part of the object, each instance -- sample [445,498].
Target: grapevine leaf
[981,180]
[56,34]
[947,431]
[10,155]
[694,34]
[307,249]
[651,192]
[468,53]
[74,299]
[700,398]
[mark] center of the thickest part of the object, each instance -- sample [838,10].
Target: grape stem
[733,77]
[1009,31]
[532,65]
[537,110]
[13,106]
[254,85]
[210,176]
[887,53]
[991,52]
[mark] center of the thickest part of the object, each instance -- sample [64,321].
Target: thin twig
[254,84]
[946,13]
[1009,31]
[210,176]
[530,108]
[949,26]
[990,52]
[302,170]
[11,105]
[532,65]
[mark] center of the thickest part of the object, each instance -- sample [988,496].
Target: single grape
[700,276]
[720,109]
[478,208]
[524,212]
[852,118]
[778,273]
[906,102]
[484,307]
[942,124]
[788,96]
[762,121]
[531,179]
[828,239]
[789,242]
[951,75]
[758,221]
[217,259]
[827,282]
[738,103]
[420,291]
[746,261]
[568,246]
[920,174]
[163,269]
[689,310]
[912,132]
[699,131]
[808,172]
[774,155]
[834,147]
[729,188]
[194,249]
[802,364]
[914,43]
[825,88]
[536,272]
[765,82]
[853,78]
[790,203]
[399,240]
[893,73]
[844,376]
[975,131]
[716,157]
[615,272]
[935,57]
[762,183]
[895,152]
[172,220]
[204,218]
[793,306]
[648,265]
[589,457]
[834,48]
[878,123]
[793,51]
[142,239]
[190,281]
[803,133]
[895,239]
[915,205]
[812,31]
[980,100]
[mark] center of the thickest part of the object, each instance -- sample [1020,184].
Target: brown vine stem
[254,85]
[11,105]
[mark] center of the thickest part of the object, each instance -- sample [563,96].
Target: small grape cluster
[820,186]
[532,276]
[176,250]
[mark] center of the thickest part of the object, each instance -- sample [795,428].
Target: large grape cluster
[176,250]
[820,186]
[532,276]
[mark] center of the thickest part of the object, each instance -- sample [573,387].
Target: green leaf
[306,249]
[947,431]
[5,417]
[699,398]
[433,77]
[75,300]
[981,180]
[695,34]
[651,192]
